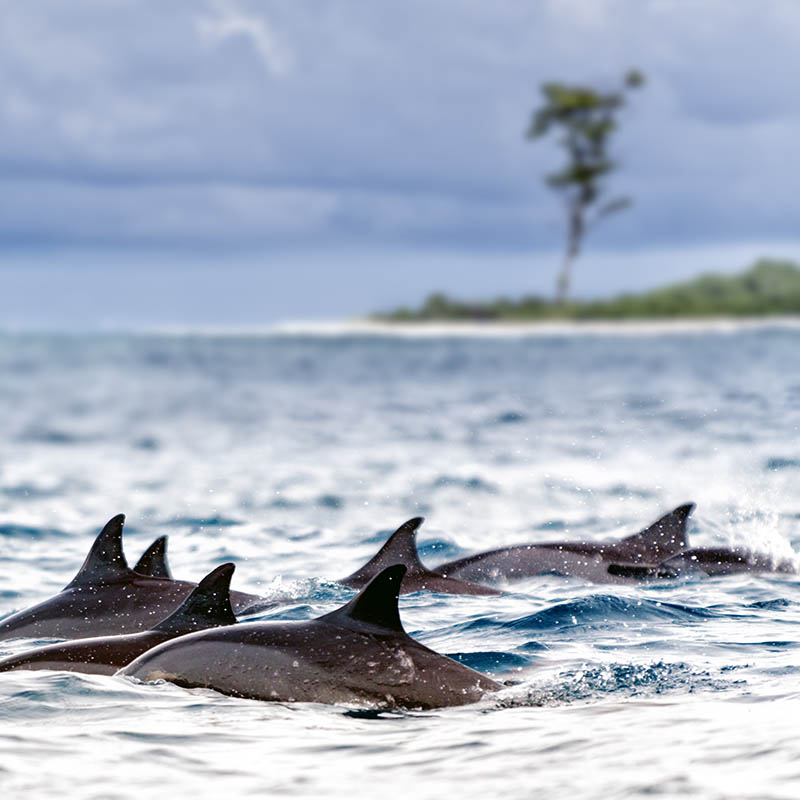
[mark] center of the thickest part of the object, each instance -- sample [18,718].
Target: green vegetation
[586,118]
[769,287]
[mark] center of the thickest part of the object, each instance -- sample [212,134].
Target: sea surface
[294,454]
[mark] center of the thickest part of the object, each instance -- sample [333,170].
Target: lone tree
[587,118]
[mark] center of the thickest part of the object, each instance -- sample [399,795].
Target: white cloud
[229,22]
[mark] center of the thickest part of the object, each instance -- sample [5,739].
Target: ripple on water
[614,681]
[775,464]
[25,491]
[494,662]
[333,501]
[473,483]
[52,436]
[199,523]
[27,532]
[509,418]
[603,610]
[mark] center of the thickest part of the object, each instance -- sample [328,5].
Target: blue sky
[238,162]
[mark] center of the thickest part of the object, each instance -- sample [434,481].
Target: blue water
[295,455]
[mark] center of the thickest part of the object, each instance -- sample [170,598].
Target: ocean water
[295,455]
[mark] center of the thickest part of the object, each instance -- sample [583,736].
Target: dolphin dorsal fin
[153,562]
[208,606]
[401,548]
[376,604]
[664,538]
[106,562]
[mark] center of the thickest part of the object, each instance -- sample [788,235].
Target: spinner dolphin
[358,654]
[665,538]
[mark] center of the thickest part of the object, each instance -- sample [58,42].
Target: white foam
[508,330]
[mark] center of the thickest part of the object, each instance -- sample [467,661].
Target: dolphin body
[208,605]
[401,548]
[708,562]
[591,560]
[358,654]
[106,597]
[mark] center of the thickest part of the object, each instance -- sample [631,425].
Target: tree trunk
[574,236]
[562,282]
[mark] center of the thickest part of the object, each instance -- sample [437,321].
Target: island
[768,288]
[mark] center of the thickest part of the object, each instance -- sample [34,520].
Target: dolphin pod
[185,633]
[106,597]
[359,653]
[208,605]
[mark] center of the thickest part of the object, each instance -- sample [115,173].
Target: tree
[587,118]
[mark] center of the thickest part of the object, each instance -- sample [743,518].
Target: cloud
[264,123]
[229,22]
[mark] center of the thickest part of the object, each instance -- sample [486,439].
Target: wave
[203,522]
[522,330]
[604,610]
[493,661]
[592,613]
[29,491]
[471,484]
[618,680]
[54,436]
[27,532]
[775,464]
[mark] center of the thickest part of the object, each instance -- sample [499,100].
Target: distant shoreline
[510,330]
[434,330]
[768,288]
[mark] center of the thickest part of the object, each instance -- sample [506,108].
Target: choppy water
[295,455]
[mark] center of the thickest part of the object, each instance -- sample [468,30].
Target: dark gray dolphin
[153,561]
[708,561]
[357,654]
[591,560]
[106,597]
[401,548]
[208,605]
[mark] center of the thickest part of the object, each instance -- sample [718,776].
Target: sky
[240,162]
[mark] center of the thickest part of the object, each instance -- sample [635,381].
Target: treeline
[768,287]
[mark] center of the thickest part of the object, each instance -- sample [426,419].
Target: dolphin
[106,597]
[358,654]
[208,605]
[591,560]
[708,561]
[401,548]
[153,561]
